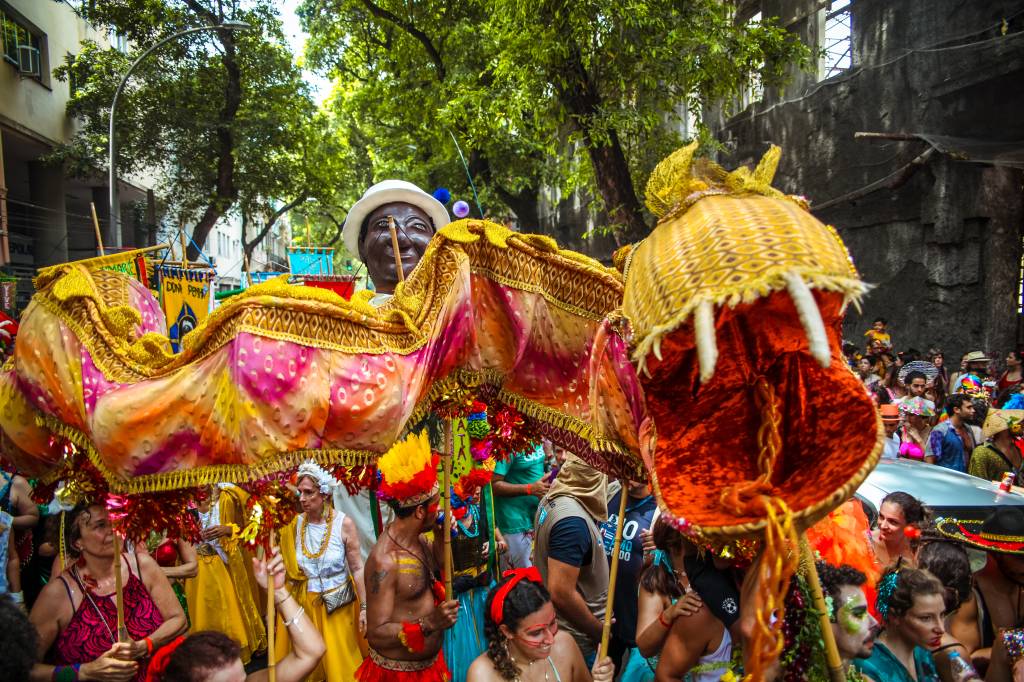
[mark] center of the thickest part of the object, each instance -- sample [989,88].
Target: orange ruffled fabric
[707,433]
[842,538]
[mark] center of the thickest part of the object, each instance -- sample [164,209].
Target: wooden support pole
[96,227]
[271,617]
[446,505]
[832,660]
[122,631]
[5,247]
[184,250]
[394,247]
[613,576]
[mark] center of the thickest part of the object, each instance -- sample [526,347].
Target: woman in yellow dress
[320,548]
[220,597]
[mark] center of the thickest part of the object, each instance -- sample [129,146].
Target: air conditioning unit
[28,61]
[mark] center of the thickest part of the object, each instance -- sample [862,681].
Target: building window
[118,42]
[22,46]
[753,91]
[838,44]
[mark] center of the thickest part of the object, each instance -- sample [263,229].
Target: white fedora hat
[386,192]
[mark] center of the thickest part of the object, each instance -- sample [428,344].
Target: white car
[946,492]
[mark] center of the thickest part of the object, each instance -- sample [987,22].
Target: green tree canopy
[224,117]
[541,93]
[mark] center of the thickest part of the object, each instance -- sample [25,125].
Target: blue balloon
[460,209]
[443,195]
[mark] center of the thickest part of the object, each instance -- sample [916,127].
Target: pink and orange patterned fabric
[283,373]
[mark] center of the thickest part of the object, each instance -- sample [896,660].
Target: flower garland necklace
[326,539]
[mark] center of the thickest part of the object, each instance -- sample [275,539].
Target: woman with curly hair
[911,602]
[523,640]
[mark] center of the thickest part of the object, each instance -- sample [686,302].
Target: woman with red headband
[523,641]
[208,656]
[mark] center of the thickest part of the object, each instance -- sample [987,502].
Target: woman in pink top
[76,613]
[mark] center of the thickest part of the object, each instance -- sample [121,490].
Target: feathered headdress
[324,480]
[409,471]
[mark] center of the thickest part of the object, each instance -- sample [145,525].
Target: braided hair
[525,598]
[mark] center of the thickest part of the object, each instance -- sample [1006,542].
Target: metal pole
[115,211]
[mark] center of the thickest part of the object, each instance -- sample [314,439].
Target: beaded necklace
[326,539]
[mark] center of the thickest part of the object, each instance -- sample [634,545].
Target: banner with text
[186,295]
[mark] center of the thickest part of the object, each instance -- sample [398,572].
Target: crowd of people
[968,421]
[531,566]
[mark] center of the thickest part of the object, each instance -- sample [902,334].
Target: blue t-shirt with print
[639,513]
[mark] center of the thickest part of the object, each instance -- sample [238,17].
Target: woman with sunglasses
[523,641]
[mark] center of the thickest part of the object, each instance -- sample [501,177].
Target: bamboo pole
[184,251]
[271,617]
[610,603]
[832,660]
[122,631]
[96,227]
[309,236]
[394,247]
[446,503]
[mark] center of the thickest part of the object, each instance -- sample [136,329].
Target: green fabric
[883,666]
[989,464]
[179,592]
[515,514]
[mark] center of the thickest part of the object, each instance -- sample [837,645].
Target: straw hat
[890,412]
[1002,532]
[929,370]
[387,192]
[719,299]
[976,356]
[998,421]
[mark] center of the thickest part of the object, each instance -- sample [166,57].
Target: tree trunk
[225,193]
[579,95]
[524,205]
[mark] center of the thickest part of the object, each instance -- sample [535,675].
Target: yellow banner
[186,296]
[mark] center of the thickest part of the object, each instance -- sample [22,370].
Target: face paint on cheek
[851,622]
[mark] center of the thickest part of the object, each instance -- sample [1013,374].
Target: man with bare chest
[406,609]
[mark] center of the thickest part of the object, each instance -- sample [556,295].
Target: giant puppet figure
[732,306]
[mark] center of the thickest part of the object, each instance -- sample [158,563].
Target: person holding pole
[76,614]
[209,656]
[320,549]
[407,608]
[570,554]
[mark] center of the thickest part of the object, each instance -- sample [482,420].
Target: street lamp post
[114,215]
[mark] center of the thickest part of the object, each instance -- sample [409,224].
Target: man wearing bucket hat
[416,216]
[998,454]
[891,421]
[972,381]
[1001,582]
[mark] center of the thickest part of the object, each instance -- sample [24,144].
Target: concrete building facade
[933,209]
[48,212]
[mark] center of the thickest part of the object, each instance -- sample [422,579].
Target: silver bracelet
[289,623]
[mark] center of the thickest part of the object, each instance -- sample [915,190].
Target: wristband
[662,621]
[17,597]
[412,637]
[149,646]
[289,624]
[529,488]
